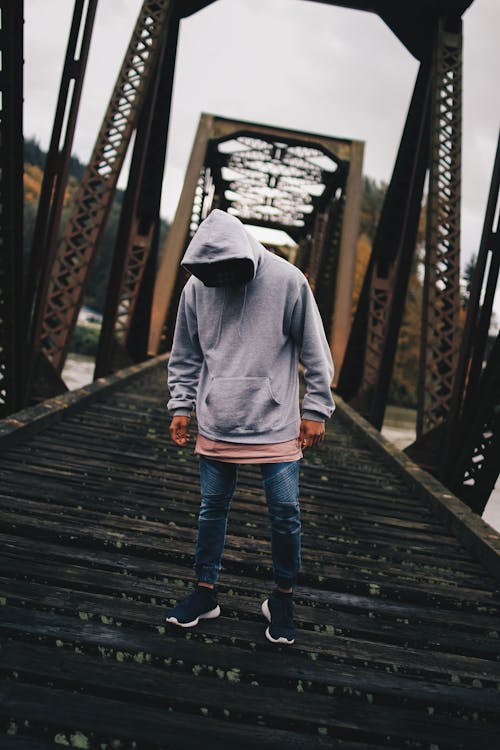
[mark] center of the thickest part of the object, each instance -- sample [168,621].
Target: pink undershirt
[245,453]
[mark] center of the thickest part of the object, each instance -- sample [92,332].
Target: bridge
[397,609]
[398,602]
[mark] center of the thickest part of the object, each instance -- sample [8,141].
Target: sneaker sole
[267,614]
[205,616]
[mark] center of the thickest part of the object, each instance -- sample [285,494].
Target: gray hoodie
[236,347]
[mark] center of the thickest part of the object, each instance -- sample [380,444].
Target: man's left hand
[311,433]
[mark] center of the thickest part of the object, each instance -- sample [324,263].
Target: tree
[467,276]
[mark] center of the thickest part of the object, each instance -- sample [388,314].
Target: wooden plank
[65,600]
[240,635]
[243,702]
[92,564]
[397,622]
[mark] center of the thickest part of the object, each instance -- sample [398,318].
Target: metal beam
[139,219]
[348,227]
[71,267]
[281,165]
[470,460]
[56,171]
[441,301]
[12,323]
[168,270]
[477,464]
[369,356]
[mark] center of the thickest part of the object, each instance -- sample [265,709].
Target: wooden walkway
[398,608]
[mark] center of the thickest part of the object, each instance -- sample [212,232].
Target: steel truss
[369,361]
[69,272]
[55,178]
[272,178]
[470,461]
[12,325]
[125,327]
[441,302]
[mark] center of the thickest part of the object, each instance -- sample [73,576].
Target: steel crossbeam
[275,178]
[71,267]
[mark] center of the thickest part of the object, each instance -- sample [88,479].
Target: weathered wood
[398,642]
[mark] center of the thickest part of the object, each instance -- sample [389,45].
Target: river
[399,424]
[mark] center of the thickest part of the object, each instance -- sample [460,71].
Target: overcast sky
[297,64]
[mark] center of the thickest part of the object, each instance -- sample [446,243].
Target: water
[78,371]
[399,424]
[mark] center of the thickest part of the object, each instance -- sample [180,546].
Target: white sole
[205,616]
[267,614]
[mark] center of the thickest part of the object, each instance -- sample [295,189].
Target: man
[245,317]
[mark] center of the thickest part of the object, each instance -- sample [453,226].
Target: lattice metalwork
[326,279]
[129,285]
[440,333]
[470,456]
[70,270]
[55,176]
[136,257]
[478,464]
[273,178]
[368,365]
[318,242]
[11,205]
[203,200]
[380,299]
[271,182]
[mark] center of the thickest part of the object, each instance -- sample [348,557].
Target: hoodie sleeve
[307,330]
[185,361]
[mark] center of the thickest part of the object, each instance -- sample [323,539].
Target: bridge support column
[470,460]
[69,272]
[12,323]
[127,311]
[55,179]
[441,304]
[166,291]
[370,353]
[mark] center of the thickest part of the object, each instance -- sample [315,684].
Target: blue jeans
[281,486]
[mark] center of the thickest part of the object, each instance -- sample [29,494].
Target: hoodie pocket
[241,406]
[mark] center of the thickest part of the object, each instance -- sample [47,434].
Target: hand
[179,430]
[311,433]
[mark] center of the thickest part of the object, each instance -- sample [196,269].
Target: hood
[222,239]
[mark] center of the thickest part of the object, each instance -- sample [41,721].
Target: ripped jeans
[281,486]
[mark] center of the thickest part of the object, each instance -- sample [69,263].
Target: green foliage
[84,340]
[467,276]
[371,206]
[33,153]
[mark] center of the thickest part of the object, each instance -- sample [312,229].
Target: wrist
[313,416]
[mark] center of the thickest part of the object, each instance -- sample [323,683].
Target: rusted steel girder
[70,270]
[137,236]
[55,178]
[272,180]
[475,470]
[12,323]
[470,461]
[369,360]
[441,301]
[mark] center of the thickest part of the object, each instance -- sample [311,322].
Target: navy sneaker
[201,604]
[278,610]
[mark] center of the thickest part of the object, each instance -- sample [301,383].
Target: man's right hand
[179,430]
